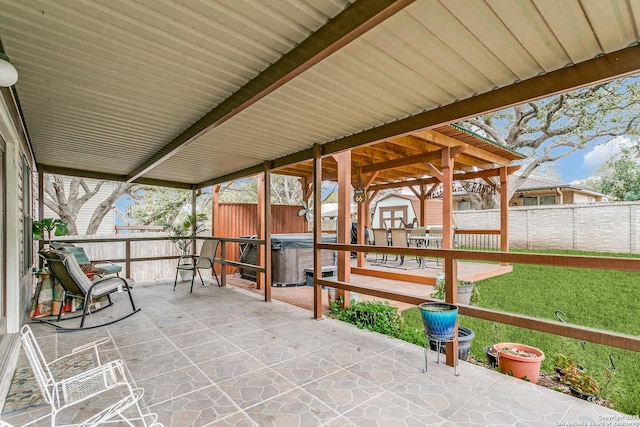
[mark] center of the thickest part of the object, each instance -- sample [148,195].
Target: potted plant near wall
[47,298]
[46,226]
[183,234]
[41,230]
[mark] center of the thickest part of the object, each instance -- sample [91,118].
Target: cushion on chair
[105,286]
[76,273]
[79,253]
[109,268]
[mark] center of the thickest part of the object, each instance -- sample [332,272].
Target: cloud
[602,153]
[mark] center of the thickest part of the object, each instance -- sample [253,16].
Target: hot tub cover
[297,240]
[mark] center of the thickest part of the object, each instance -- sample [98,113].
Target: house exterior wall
[569,196]
[108,225]
[15,275]
[601,227]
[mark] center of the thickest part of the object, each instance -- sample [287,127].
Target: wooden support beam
[504,210]
[260,228]
[344,220]
[451,297]
[406,161]
[363,212]
[216,226]
[456,177]
[447,141]
[267,231]
[317,231]
[307,188]
[435,173]
[423,205]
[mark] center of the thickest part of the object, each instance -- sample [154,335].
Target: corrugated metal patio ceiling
[105,85]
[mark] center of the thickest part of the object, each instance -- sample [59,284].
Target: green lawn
[608,300]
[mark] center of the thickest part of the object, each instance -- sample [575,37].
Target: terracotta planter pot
[519,366]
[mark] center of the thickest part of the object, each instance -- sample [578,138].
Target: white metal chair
[88,386]
[204,261]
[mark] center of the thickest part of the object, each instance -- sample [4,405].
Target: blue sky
[582,164]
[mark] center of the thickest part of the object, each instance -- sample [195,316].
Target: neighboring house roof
[330,210]
[536,183]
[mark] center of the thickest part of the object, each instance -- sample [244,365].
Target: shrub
[376,316]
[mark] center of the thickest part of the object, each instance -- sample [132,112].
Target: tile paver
[222,357]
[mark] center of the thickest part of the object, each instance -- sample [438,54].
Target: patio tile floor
[222,356]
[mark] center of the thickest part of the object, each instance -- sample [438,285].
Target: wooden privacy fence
[234,220]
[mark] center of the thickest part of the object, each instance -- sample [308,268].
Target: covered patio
[221,356]
[191,95]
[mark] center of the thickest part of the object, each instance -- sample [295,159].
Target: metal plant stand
[439,341]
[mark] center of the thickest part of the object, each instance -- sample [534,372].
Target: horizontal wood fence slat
[450,258]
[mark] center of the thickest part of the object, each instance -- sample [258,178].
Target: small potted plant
[573,375]
[42,229]
[183,234]
[46,226]
[561,363]
[467,292]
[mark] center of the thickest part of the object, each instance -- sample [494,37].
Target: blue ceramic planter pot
[439,319]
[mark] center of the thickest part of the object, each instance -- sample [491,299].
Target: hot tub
[291,254]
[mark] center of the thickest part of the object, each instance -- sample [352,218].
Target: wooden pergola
[424,162]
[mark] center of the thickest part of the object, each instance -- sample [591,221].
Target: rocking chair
[76,284]
[85,390]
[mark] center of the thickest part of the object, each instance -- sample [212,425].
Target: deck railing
[477,240]
[130,251]
[450,258]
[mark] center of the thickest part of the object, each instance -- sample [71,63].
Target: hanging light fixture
[8,73]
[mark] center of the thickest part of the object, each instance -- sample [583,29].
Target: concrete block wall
[601,227]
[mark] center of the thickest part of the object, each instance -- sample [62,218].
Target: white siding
[84,217]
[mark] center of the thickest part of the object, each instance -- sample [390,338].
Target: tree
[68,205]
[619,176]
[285,190]
[165,206]
[552,128]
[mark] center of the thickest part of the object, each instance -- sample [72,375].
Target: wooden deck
[407,279]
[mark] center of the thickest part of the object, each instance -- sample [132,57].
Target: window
[530,201]
[547,200]
[464,205]
[393,216]
[27,220]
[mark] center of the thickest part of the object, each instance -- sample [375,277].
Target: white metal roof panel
[119,80]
